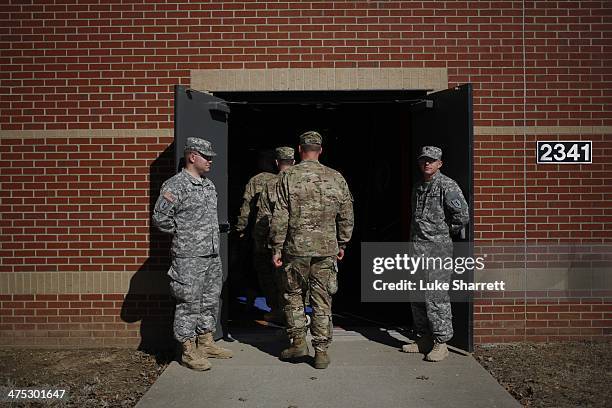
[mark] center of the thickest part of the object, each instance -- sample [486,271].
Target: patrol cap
[432,152]
[284,153]
[199,145]
[311,137]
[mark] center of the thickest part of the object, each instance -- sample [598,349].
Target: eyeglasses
[205,157]
[424,160]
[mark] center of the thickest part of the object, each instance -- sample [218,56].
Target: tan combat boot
[422,344]
[206,343]
[438,353]
[321,360]
[192,359]
[298,348]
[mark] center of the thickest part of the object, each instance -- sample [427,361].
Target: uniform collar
[191,178]
[433,178]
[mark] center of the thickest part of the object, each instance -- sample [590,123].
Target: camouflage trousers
[268,277]
[433,316]
[319,276]
[196,284]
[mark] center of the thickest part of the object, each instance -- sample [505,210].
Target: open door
[199,114]
[444,119]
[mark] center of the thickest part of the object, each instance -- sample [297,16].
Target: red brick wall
[113,65]
[517,199]
[81,204]
[547,316]
[85,320]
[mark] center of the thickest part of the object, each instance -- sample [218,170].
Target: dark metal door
[444,119]
[199,114]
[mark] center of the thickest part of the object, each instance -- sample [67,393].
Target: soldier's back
[315,194]
[252,191]
[314,184]
[258,181]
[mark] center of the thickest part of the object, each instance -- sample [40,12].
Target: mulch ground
[93,378]
[576,374]
[537,375]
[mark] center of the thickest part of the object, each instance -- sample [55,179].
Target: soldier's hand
[277,261]
[236,235]
[340,254]
[224,227]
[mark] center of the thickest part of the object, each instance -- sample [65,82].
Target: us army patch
[168,200]
[169,197]
[456,203]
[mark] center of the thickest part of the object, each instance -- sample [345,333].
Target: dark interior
[366,136]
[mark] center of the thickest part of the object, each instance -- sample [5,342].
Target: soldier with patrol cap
[268,278]
[187,209]
[439,210]
[311,225]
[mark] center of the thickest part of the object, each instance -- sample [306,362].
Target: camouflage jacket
[439,210]
[265,209]
[187,209]
[249,200]
[314,212]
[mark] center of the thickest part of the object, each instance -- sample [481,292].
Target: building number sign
[565,152]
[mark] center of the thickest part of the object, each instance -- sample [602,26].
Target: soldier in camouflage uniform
[439,211]
[187,209]
[252,190]
[311,225]
[268,278]
[247,216]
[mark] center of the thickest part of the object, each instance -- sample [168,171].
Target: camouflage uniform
[252,191]
[265,208]
[313,217]
[439,210]
[248,214]
[187,209]
[268,277]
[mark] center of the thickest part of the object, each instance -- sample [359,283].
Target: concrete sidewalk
[367,370]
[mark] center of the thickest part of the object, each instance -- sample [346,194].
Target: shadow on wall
[148,299]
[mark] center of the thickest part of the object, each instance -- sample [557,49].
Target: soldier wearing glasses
[187,209]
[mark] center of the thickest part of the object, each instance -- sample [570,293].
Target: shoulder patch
[166,201]
[456,203]
[168,196]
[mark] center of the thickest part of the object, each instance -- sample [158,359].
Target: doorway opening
[369,136]
[366,136]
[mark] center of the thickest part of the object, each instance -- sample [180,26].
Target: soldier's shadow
[148,299]
[378,334]
[269,341]
[272,342]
